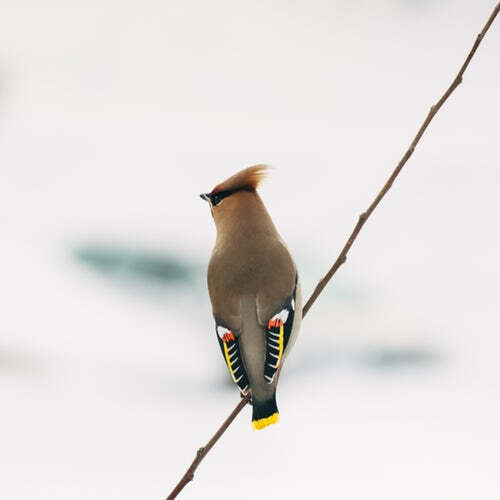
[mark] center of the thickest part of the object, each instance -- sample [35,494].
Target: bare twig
[364,216]
[200,454]
[189,475]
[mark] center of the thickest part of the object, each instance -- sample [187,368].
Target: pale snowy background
[114,116]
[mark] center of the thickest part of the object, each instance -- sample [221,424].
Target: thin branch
[200,454]
[189,475]
[364,216]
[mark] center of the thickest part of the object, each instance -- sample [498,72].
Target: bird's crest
[244,180]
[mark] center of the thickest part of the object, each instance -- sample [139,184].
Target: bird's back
[250,260]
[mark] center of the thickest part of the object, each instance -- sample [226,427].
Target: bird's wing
[230,348]
[278,332]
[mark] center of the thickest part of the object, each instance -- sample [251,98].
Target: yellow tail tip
[264,422]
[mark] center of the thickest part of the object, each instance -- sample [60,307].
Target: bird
[254,290]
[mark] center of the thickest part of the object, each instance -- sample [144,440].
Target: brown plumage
[245,180]
[251,277]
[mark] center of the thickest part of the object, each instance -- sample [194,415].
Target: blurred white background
[114,116]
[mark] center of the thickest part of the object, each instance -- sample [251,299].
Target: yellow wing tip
[264,422]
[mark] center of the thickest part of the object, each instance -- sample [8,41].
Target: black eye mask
[216,198]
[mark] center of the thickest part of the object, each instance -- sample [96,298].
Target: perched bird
[254,290]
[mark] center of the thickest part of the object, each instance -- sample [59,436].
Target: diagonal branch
[200,454]
[364,216]
[189,475]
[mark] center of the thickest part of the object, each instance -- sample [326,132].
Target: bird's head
[223,199]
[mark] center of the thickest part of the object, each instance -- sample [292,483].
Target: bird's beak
[205,196]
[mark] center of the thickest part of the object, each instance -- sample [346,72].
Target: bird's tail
[265,412]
